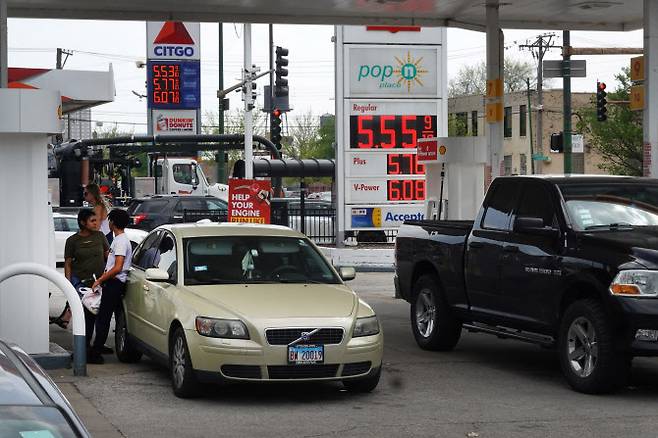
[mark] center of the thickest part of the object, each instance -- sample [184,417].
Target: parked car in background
[150,212]
[245,302]
[67,225]
[319,218]
[31,405]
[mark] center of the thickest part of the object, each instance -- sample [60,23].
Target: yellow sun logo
[409,71]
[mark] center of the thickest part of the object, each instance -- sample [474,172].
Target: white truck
[178,176]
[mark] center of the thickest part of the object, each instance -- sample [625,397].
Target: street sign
[555,68]
[577,144]
[637,69]
[540,157]
[637,98]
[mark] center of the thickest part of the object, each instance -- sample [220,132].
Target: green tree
[472,79]
[618,139]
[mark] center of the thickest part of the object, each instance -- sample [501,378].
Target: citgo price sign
[249,201]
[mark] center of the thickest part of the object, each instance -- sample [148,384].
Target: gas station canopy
[610,15]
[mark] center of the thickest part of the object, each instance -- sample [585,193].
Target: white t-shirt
[120,247]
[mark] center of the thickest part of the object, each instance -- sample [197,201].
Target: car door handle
[146,288]
[178,217]
[511,248]
[476,245]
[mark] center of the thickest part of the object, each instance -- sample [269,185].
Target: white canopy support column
[3,44]
[650,122]
[494,102]
[27,118]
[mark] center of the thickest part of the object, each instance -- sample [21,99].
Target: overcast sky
[96,44]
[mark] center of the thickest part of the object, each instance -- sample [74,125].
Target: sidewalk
[363,259]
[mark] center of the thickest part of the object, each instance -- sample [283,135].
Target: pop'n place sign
[249,201]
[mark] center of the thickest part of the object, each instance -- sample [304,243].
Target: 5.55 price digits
[406,190]
[404,164]
[389,131]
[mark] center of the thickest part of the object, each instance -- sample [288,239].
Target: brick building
[468,112]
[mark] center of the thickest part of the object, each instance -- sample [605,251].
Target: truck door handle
[476,245]
[511,248]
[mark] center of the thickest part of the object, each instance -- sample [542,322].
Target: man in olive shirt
[85,252]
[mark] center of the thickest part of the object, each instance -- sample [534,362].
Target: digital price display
[174,84]
[405,190]
[389,131]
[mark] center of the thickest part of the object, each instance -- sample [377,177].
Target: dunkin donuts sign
[174,122]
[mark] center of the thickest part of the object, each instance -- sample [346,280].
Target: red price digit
[420,189]
[387,131]
[411,131]
[408,190]
[362,130]
[393,164]
[394,190]
[428,122]
[156,97]
[172,71]
[419,168]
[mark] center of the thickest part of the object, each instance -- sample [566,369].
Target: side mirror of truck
[534,225]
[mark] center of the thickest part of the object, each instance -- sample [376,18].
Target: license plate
[305,354]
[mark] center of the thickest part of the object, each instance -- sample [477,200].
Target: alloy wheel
[582,347]
[178,362]
[425,313]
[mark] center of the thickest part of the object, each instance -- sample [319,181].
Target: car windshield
[34,421]
[611,205]
[254,259]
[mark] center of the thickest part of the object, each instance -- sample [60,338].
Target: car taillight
[138,218]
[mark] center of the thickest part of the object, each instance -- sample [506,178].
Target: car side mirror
[347,273]
[534,225]
[157,274]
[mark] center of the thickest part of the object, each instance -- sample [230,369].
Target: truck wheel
[586,348]
[433,324]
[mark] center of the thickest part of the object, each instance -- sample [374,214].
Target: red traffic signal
[601,86]
[276,112]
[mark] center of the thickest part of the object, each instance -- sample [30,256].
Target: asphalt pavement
[486,387]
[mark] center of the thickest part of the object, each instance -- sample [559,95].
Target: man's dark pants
[113,291]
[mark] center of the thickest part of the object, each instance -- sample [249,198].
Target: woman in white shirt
[95,198]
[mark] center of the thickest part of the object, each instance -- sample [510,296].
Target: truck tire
[586,346]
[433,324]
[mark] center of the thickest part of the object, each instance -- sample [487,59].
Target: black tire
[587,336]
[183,380]
[363,384]
[124,348]
[440,330]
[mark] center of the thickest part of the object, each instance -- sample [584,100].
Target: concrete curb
[363,259]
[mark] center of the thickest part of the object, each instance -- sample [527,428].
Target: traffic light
[280,82]
[601,110]
[275,128]
[557,142]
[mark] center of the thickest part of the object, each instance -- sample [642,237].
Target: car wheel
[126,351]
[586,348]
[183,381]
[363,384]
[433,324]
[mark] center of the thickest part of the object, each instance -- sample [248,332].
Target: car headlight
[635,282]
[366,326]
[221,328]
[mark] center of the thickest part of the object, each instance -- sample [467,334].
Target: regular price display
[390,131]
[406,190]
[165,83]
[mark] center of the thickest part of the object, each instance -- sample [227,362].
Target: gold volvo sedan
[243,302]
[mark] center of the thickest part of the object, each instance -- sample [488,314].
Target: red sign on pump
[249,201]
[427,150]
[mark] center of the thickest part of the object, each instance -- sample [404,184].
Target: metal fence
[319,224]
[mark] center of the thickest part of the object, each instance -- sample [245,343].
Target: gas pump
[454,171]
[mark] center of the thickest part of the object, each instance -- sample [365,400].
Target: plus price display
[174,84]
[405,189]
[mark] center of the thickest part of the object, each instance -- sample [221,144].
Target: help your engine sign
[249,201]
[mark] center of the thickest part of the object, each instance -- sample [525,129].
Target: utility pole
[60,64]
[539,47]
[219,156]
[566,99]
[532,152]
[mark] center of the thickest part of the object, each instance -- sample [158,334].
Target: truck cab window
[536,202]
[183,173]
[499,210]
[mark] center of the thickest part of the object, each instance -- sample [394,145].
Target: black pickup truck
[568,262]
